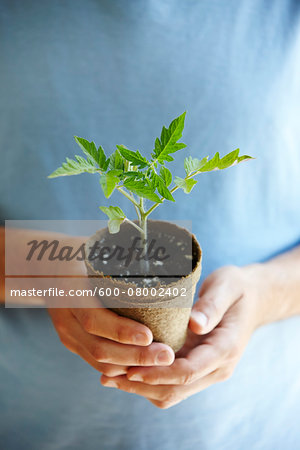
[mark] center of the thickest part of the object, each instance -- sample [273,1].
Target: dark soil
[170,256]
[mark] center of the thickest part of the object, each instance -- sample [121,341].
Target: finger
[111,370]
[215,299]
[199,362]
[104,350]
[166,396]
[67,328]
[179,393]
[105,323]
[107,351]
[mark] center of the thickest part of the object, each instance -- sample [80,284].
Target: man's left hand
[221,324]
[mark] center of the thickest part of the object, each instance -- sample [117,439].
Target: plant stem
[136,209]
[127,196]
[142,217]
[190,175]
[143,223]
[157,204]
[134,225]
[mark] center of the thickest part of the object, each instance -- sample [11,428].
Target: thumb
[213,303]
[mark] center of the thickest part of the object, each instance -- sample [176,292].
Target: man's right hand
[108,342]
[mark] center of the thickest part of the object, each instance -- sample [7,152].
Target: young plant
[139,178]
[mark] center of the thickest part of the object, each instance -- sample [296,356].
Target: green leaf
[244,158]
[166,175]
[116,217]
[108,182]
[90,150]
[116,161]
[71,167]
[113,212]
[164,192]
[102,161]
[185,184]
[211,164]
[228,160]
[105,166]
[114,225]
[134,157]
[142,189]
[168,142]
[157,182]
[194,164]
[115,172]
[133,174]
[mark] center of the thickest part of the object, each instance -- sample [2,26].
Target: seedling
[139,178]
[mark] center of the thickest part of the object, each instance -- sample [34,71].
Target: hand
[221,324]
[108,342]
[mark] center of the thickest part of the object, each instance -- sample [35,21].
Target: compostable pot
[162,297]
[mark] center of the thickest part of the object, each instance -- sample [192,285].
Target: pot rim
[195,273]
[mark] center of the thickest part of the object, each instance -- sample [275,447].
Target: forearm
[279,285]
[18,249]
[2,265]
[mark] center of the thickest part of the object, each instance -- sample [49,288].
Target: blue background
[114,72]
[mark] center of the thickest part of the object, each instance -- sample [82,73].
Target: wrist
[267,286]
[260,286]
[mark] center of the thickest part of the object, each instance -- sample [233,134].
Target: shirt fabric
[114,72]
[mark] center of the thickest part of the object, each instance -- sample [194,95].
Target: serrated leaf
[116,160]
[194,164]
[106,164]
[185,184]
[142,189]
[113,212]
[244,158]
[101,158]
[157,182]
[114,225]
[116,217]
[115,172]
[228,160]
[164,192]
[134,157]
[166,175]
[71,167]
[168,142]
[108,182]
[153,179]
[133,174]
[89,148]
[95,156]
[211,164]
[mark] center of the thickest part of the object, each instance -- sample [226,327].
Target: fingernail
[135,377]
[140,338]
[200,318]
[163,357]
[110,383]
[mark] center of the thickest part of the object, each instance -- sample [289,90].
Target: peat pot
[160,295]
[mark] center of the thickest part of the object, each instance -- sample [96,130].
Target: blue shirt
[114,72]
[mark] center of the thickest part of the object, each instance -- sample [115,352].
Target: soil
[170,256]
